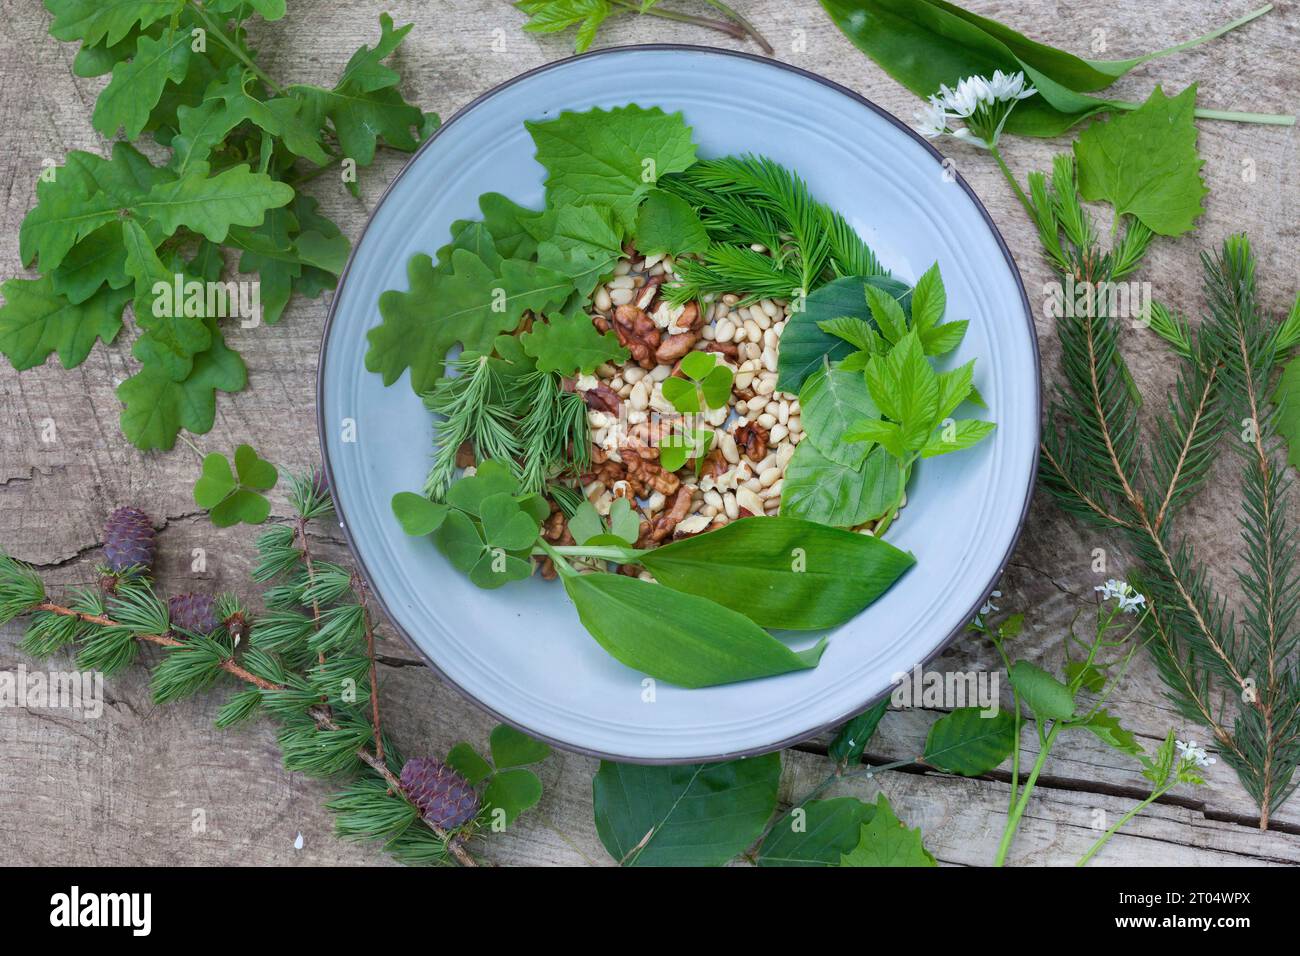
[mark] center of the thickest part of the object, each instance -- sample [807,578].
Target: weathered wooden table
[124,789]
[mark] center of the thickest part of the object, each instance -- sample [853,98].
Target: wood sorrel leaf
[513,791]
[816,834]
[418,515]
[781,572]
[679,638]
[966,742]
[684,815]
[510,748]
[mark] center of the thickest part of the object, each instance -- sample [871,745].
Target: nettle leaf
[35,321]
[610,158]
[418,515]
[471,306]
[1046,696]
[684,815]
[1145,163]
[156,407]
[667,224]
[968,743]
[818,833]
[137,84]
[886,841]
[566,344]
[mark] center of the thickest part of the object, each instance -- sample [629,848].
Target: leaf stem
[722,26]
[214,28]
[1101,841]
[748,27]
[1020,193]
[1013,819]
[1263,119]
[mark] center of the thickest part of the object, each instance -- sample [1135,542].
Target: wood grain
[131,787]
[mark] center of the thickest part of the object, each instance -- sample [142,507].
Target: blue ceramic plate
[520,651]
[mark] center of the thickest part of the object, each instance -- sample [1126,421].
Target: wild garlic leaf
[886,841]
[666,224]
[1145,163]
[781,572]
[610,158]
[471,306]
[569,344]
[35,320]
[694,642]
[852,738]
[156,407]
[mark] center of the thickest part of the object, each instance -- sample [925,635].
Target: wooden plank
[124,789]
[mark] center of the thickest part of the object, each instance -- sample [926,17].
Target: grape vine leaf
[35,321]
[610,158]
[570,343]
[886,841]
[156,407]
[1145,163]
[471,306]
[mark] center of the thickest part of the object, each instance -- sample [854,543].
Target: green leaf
[418,515]
[232,496]
[96,21]
[781,572]
[1286,397]
[1087,676]
[929,301]
[281,116]
[138,84]
[364,105]
[553,16]
[156,407]
[585,523]
[852,739]
[886,841]
[471,306]
[610,158]
[805,347]
[832,400]
[666,224]
[566,344]
[816,834]
[35,321]
[505,524]
[513,791]
[510,748]
[459,539]
[683,394]
[819,489]
[97,259]
[906,388]
[580,242]
[968,743]
[216,481]
[210,205]
[965,433]
[684,815]
[1109,731]
[1145,163]
[887,314]
[679,638]
[1046,696]
[465,760]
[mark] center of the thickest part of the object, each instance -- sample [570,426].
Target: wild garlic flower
[981,103]
[1130,601]
[1189,752]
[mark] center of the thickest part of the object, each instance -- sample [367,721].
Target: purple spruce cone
[196,613]
[128,540]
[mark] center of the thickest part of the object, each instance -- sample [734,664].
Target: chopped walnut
[608,473]
[645,476]
[728,350]
[602,398]
[642,440]
[674,347]
[715,463]
[663,525]
[637,333]
[752,441]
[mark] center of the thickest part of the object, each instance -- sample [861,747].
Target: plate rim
[366,575]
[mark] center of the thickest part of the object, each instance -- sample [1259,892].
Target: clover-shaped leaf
[505,524]
[491,477]
[511,789]
[418,515]
[708,384]
[231,495]
[623,526]
[676,449]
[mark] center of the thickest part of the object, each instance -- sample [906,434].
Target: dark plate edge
[691,48]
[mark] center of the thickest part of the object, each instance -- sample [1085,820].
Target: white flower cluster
[1188,751]
[981,103]
[1130,602]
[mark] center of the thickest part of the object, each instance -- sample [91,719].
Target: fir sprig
[1094,460]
